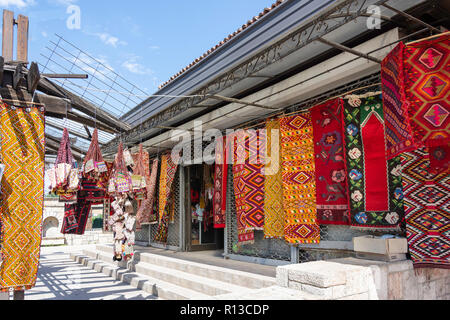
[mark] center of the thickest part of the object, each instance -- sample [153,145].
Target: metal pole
[410,17]
[347,49]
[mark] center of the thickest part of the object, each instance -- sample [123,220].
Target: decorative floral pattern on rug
[21,202]
[299,186]
[374,183]
[331,184]
[427,197]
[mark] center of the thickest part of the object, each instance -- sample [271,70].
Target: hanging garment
[299,186]
[220,183]
[427,196]
[374,183]
[274,222]
[331,190]
[169,166]
[94,166]
[21,204]
[416,91]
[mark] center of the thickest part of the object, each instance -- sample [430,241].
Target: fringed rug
[76,216]
[21,203]
[331,184]
[374,184]
[220,183]
[299,186]
[273,184]
[427,197]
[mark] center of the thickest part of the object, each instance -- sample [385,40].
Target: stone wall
[351,278]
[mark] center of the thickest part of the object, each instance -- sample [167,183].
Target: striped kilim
[21,204]
[299,186]
[169,168]
[220,184]
[374,183]
[426,202]
[331,184]
[273,184]
[399,137]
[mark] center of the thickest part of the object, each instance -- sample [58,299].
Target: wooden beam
[22,38]
[71,132]
[65,76]
[46,86]
[57,141]
[410,17]
[54,104]
[33,77]
[82,120]
[8,35]
[88,132]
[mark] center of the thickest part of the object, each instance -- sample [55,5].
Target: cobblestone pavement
[61,278]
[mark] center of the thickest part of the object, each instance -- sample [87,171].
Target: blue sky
[145,41]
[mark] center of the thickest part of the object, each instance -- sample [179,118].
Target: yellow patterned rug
[273,184]
[21,204]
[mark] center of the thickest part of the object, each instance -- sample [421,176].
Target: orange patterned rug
[21,204]
[299,186]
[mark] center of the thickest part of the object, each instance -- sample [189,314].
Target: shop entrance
[200,232]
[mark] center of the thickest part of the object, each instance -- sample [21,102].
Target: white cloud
[133,66]
[16,3]
[44,34]
[108,39]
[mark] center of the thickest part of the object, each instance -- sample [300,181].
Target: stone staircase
[171,278]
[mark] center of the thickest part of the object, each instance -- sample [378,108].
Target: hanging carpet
[146,213]
[427,198]
[273,184]
[21,202]
[374,183]
[220,183]
[169,166]
[415,83]
[331,184]
[299,186]
[76,216]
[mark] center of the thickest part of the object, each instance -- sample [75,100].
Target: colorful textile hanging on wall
[299,186]
[273,184]
[427,196]
[415,83]
[331,184]
[21,204]
[399,137]
[145,213]
[241,157]
[427,91]
[374,184]
[220,183]
[169,167]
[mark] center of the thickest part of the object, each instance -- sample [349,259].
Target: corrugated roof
[221,43]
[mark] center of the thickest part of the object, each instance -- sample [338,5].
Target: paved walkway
[60,278]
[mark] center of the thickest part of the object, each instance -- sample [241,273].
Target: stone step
[197,283]
[156,287]
[240,278]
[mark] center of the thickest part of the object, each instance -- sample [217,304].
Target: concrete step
[240,278]
[236,277]
[156,287]
[201,284]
